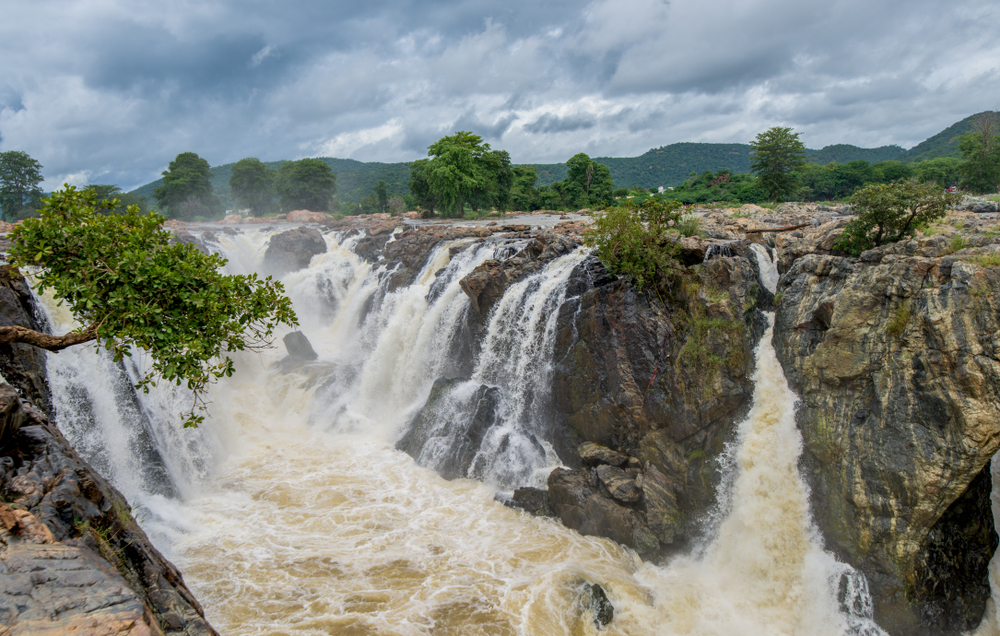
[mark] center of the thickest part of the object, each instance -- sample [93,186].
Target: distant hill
[663,166]
[943,144]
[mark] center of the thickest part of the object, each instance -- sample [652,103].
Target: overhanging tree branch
[23,335]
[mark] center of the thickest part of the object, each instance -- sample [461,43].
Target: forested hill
[943,144]
[664,166]
[355,179]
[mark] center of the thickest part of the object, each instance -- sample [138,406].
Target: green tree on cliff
[131,289]
[19,179]
[889,212]
[464,170]
[777,154]
[631,239]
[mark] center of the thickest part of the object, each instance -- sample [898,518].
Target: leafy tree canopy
[465,170]
[420,187]
[187,190]
[981,150]
[131,288]
[19,179]
[307,184]
[631,239]
[777,154]
[252,185]
[890,212]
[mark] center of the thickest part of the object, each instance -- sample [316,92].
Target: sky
[110,91]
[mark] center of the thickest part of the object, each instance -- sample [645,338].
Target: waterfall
[290,509]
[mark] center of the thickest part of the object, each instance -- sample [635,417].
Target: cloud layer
[109,91]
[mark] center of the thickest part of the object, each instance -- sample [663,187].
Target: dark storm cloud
[111,92]
[549,123]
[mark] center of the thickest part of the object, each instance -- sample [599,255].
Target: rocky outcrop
[23,366]
[486,284]
[659,379]
[896,358]
[72,558]
[292,250]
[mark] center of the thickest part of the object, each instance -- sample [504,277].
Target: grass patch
[689,225]
[777,298]
[991,259]
[900,319]
[958,243]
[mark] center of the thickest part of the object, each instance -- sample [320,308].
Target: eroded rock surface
[292,250]
[72,558]
[897,360]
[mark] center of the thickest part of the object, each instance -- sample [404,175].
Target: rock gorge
[893,355]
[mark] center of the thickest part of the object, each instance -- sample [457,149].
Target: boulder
[305,216]
[22,366]
[11,414]
[292,250]
[592,454]
[619,484]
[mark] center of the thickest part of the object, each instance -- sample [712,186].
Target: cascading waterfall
[291,511]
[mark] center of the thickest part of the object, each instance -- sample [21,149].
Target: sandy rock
[305,216]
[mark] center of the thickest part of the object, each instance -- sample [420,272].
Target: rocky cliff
[72,558]
[895,355]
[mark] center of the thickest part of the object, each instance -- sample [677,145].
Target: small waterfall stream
[290,510]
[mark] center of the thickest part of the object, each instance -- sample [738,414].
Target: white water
[295,514]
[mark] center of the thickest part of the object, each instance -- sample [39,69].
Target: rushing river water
[290,511]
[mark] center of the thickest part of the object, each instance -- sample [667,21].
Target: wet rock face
[292,250]
[23,366]
[896,359]
[660,386]
[72,558]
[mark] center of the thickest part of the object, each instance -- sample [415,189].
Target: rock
[305,216]
[11,414]
[231,219]
[448,432]
[604,611]
[663,515]
[299,347]
[895,359]
[292,250]
[72,558]
[619,484]
[592,454]
[486,284]
[575,498]
[23,366]
[534,501]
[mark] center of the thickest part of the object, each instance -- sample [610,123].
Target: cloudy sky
[109,91]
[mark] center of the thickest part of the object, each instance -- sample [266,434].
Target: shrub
[890,212]
[631,239]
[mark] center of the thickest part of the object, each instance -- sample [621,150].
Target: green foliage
[381,196]
[981,150]
[186,191]
[900,319]
[19,179]
[778,153]
[251,183]
[420,188]
[523,194]
[890,212]
[464,170]
[631,239]
[306,184]
[122,278]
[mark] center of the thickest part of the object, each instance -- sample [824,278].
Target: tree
[307,184]
[381,196]
[631,239]
[889,212]
[187,191]
[593,178]
[981,150]
[252,185]
[777,153]
[19,179]
[396,206]
[132,289]
[420,187]
[463,169]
